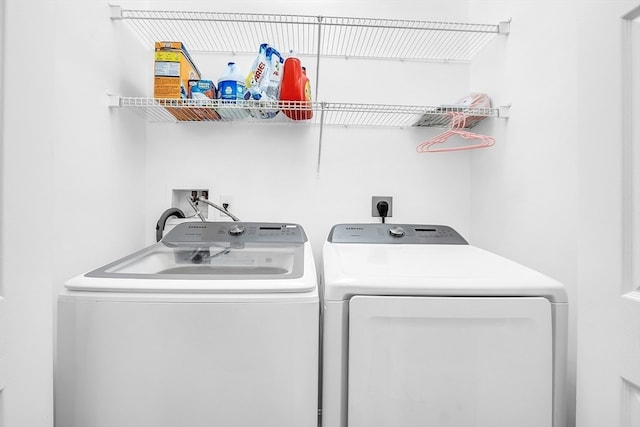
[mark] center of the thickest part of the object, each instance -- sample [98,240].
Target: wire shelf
[312,35]
[326,113]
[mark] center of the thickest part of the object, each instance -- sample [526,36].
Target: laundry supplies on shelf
[231,88]
[263,81]
[231,83]
[203,92]
[296,87]
[173,69]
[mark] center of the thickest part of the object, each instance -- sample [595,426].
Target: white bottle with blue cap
[231,88]
[231,83]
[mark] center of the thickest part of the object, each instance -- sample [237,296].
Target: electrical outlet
[374,205]
[179,200]
[226,201]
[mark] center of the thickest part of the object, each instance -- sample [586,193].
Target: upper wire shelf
[327,113]
[312,35]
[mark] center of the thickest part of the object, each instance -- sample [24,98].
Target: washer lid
[230,257]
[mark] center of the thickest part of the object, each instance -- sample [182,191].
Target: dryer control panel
[395,233]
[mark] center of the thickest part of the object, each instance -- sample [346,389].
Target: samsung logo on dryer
[196,226]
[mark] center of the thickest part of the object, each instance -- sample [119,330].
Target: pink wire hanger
[458,122]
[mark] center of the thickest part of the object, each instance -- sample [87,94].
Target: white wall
[525,189]
[72,183]
[26,240]
[98,153]
[549,195]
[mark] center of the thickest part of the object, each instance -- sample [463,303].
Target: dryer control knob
[236,230]
[396,231]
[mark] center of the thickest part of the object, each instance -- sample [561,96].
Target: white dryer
[216,325]
[422,329]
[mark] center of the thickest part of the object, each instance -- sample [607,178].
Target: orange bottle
[295,86]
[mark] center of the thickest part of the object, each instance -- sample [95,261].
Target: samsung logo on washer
[196,226]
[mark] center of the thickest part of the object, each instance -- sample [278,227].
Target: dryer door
[450,362]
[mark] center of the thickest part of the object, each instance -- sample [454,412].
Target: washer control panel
[395,233]
[235,232]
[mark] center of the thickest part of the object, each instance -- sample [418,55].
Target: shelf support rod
[318,55]
[322,104]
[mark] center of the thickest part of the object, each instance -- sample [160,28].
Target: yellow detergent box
[173,70]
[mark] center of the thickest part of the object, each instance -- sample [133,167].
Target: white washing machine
[422,329]
[216,325]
